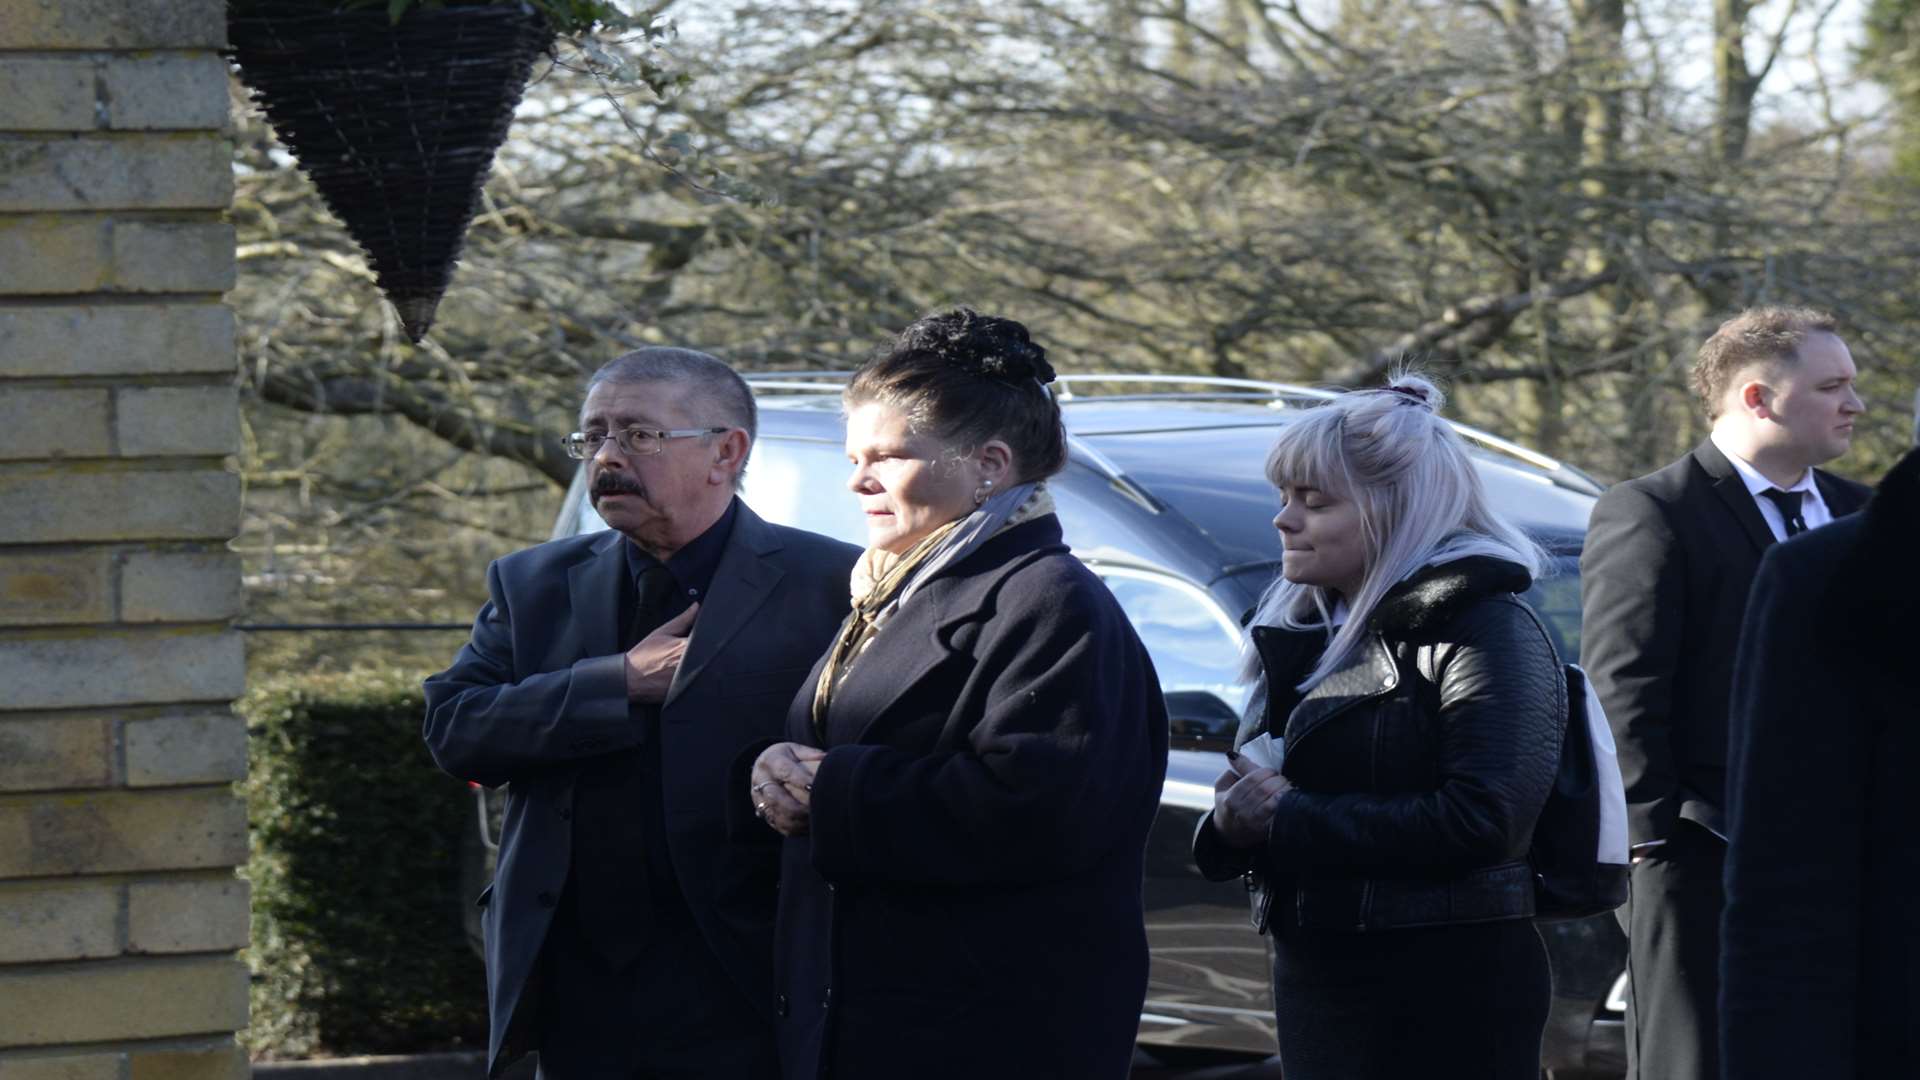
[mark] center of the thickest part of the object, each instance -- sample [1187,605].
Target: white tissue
[1264,751]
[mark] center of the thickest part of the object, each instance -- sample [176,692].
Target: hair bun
[1415,389]
[983,345]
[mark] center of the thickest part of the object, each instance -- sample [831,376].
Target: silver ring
[763,785]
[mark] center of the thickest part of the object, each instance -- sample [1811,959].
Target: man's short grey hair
[720,393]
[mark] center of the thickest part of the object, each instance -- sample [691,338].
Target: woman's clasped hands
[1244,800]
[783,786]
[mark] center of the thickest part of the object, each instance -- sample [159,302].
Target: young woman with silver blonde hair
[1400,744]
[1415,493]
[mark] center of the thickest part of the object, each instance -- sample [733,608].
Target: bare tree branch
[427,408]
[1444,335]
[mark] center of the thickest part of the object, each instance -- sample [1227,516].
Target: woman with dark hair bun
[971,771]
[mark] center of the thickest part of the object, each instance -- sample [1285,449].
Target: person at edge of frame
[1820,953]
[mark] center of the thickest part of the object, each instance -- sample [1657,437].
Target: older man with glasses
[611,679]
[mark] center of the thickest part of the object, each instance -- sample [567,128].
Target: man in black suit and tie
[612,678]
[1668,561]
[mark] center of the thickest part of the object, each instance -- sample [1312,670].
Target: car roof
[1147,432]
[1091,405]
[1090,399]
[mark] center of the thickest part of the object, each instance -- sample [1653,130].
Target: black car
[1164,497]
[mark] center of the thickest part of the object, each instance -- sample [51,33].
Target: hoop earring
[980,493]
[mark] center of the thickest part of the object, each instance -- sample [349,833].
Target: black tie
[1789,504]
[655,606]
[619,867]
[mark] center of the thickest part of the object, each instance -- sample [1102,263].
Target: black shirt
[693,566]
[623,890]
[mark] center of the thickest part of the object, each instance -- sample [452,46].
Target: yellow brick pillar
[120,914]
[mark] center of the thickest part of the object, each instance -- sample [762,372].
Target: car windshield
[1216,478]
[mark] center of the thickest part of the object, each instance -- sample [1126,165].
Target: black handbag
[1579,853]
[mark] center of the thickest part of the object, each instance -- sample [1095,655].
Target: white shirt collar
[1813,508]
[1751,477]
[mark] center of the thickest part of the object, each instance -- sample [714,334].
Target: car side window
[803,483]
[1195,649]
[796,482]
[1557,599]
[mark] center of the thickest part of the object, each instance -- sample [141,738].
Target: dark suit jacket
[968,902]
[1669,558]
[1821,958]
[541,688]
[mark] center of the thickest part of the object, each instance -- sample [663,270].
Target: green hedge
[358,944]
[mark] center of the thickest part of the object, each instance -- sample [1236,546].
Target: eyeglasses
[637,441]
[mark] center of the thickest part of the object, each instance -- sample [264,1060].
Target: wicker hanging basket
[395,123]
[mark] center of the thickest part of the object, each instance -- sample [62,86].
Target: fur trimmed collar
[1426,601]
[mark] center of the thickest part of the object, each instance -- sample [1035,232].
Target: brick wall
[119,829]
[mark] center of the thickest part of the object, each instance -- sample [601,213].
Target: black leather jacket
[1418,768]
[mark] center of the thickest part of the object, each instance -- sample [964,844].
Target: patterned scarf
[882,581]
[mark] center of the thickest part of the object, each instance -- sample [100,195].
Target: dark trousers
[1465,1002]
[674,1014]
[1672,920]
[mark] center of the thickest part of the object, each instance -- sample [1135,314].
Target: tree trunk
[1734,83]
